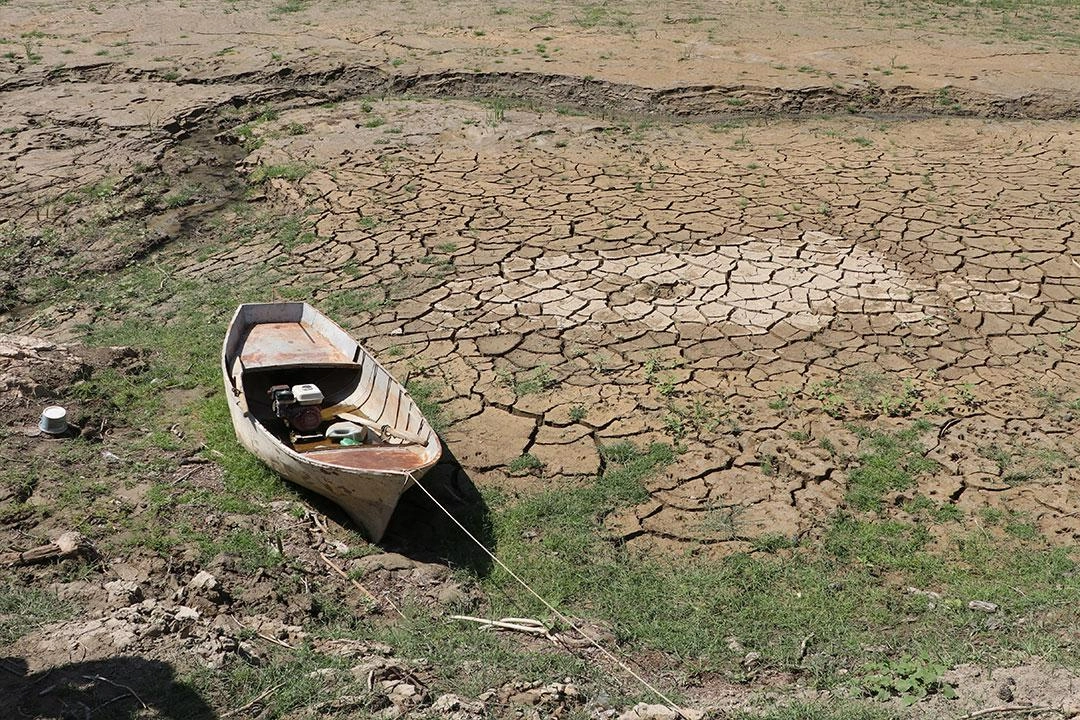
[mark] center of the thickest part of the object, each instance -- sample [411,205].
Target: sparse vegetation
[687,553]
[291,171]
[524,464]
[891,462]
[23,609]
[534,381]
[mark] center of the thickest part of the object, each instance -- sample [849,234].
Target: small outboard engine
[298,406]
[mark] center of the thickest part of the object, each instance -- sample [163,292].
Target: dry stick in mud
[1015,709]
[358,586]
[70,544]
[117,685]
[561,616]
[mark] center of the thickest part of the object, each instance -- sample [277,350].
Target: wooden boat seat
[373,457]
[286,344]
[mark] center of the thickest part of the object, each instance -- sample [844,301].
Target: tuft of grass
[535,381]
[890,462]
[424,394]
[23,610]
[289,6]
[184,195]
[524,464]
[771,542]
[290,171]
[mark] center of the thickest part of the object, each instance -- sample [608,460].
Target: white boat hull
[366,482]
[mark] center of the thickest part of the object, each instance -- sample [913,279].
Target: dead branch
[525,625]
[358,586]
[118,685]
[70,544]
[1018,709]
[248,706]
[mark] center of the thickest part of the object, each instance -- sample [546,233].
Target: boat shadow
[121,687]
[420,530]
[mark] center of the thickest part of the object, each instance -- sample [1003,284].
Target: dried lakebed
[785,302]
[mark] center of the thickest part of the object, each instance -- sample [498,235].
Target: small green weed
[524,464]
[910,679]
[891,462]
[535,381]
[269,172]
[289,6]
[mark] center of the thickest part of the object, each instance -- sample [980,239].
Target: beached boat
[315,406]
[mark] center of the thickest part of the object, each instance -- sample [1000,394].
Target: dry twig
[525,625]
[118,685]
[264,694]
[1018,709]
[358,586]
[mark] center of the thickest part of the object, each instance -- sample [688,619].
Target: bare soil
[745,228]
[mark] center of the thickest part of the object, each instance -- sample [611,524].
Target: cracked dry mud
[665,269]
[725,286]
[747,288]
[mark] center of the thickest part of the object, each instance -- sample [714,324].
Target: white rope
[670,703]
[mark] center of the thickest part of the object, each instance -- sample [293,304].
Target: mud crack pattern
[747,290]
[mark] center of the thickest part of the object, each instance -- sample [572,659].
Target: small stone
[928,594]
[124,592]
[645,711]
[451,594]
[186,614]
[203,581]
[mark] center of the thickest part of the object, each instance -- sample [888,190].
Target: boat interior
[291,344]
[344,393]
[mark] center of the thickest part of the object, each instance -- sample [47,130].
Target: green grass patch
[288,682]
[23,610]
[890,461]
[524,464]
[425,393]
[291,171]
[847,590]
[289,6]
[532,382]
[349,303]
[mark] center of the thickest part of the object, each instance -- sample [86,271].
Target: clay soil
[747,229]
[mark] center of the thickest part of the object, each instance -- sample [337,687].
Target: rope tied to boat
[555,611]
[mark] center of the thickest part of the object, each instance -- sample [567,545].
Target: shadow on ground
[119,688]
[421,531]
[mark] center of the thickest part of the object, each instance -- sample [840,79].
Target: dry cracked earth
[744,229]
